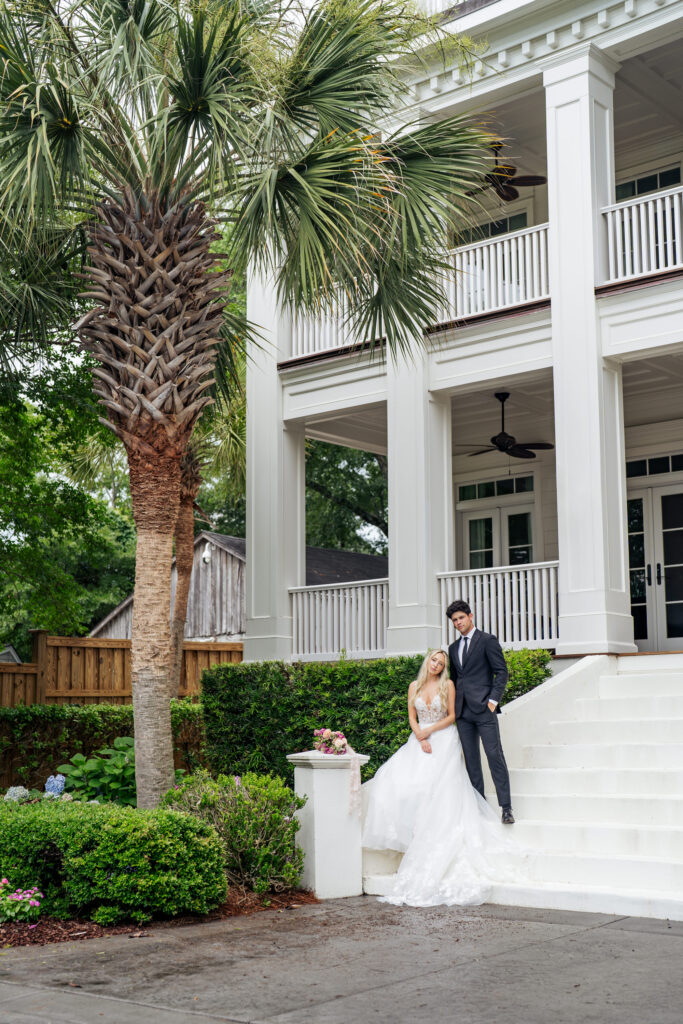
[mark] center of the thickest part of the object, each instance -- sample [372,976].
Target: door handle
[659,572]
[648,575]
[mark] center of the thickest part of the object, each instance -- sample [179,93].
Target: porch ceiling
[364,428]
[528,412]
[653,390]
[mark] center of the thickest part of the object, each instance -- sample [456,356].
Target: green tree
[346,498]
[141,123]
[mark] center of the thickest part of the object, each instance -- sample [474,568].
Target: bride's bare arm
[450,717]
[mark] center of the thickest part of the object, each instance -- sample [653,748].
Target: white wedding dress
[424,805]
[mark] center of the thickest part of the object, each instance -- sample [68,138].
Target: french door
[500,536]
[655,535]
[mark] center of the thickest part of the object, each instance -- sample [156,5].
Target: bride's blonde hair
[423,676]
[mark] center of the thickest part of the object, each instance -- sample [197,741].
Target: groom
[480,675]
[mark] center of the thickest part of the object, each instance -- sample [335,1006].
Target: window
[489,488]
[499,536]
[655,182]
[492,228]
[654,466]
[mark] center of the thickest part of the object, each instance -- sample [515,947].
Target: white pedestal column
[330,833]
[421,527]
[594,605]
[276,487]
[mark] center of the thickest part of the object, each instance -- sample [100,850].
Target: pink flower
[4,881]
[327,733]
[34,903]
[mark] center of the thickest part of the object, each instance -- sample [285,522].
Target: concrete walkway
[359,962]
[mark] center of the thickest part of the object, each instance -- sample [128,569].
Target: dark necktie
[463,651]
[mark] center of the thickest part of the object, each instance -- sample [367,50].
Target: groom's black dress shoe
[508,817]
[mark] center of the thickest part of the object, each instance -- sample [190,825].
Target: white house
[573,304]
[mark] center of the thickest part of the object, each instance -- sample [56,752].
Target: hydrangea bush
[255,817]
[111,863]
[17,794]
[18,904]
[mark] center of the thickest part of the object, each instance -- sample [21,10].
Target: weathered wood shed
[216,608]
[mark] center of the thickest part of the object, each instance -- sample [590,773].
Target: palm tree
[144,122]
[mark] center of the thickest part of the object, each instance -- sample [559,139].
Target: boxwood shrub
[111,863]
[35,739]
[256,713]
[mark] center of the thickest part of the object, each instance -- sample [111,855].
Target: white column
[330,833]
[276,489]
[594,612]
[420,504]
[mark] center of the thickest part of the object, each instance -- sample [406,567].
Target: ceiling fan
[506,443]
[505,181]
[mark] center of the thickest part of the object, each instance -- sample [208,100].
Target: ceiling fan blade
[483,451]
[468,445]
[520,453]
[541,446]
[528,180]
[506,192]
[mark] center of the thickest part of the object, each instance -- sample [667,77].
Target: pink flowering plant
[329,742]
[18,904]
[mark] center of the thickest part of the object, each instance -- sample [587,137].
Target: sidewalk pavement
[358,961]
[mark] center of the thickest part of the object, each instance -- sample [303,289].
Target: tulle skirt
[454,845]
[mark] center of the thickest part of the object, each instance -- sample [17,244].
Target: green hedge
[35,739]
[257,713]
[112,863]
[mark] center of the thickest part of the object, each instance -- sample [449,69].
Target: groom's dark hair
[457,606]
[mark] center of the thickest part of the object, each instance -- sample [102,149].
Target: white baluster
[669,234]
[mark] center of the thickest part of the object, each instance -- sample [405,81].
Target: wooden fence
[88,670]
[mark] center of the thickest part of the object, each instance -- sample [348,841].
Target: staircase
[599,797]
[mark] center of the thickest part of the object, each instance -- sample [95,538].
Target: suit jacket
[482,677]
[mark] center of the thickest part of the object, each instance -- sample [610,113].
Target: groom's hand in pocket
[426,746]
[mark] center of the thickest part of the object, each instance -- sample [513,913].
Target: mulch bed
[238,903]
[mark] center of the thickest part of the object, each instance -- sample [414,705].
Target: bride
[423,804]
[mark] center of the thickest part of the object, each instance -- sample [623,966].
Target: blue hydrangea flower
[17,793]
[55,785]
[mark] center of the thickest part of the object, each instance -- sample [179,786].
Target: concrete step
[598,839]
[567,896]
[597,782]
[590,899]
[595,809]
[631,730]
[637,684]
[621,872]
[616,709]
[604,755]
[650,664]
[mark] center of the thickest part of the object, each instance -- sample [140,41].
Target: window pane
[638,586]
[481,534]
[519,529]
[673,576]
[658,465]
[505,486]
[673,547]
[637,467]
[635,515]
[636,550]
[467,492]
[486,490]
[626,190]
[667,179]
[672,511]
[481,560]
[524,484]
[674,620]
[521,556]
[639,614]
[676,463]
[517,222]
[499,227]
[647,184]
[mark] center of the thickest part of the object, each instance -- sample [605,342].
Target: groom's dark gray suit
[481,677]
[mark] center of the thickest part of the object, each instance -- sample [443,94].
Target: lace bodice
[427,714]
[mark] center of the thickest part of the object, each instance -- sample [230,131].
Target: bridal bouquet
[328,742]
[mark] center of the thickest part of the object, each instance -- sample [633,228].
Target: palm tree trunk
[155,494]
[184,559]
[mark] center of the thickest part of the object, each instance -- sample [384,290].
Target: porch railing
[349,617]
[508,270]
[516,602]
[644,235]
